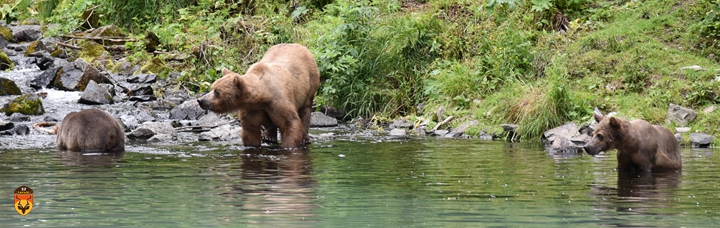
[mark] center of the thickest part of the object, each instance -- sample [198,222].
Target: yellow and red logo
[23,200]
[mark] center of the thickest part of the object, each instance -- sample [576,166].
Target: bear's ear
[614,122]
[225,71]
[238,83]
[598,115]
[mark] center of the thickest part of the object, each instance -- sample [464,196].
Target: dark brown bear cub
[640,145]
[90,130]
[276,92]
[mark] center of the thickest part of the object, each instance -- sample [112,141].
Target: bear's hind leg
[305,114]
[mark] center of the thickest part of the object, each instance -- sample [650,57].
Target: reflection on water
[73,158]
[398,183]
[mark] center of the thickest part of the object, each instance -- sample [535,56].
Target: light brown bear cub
[88,130]
[276,92]
[640,145]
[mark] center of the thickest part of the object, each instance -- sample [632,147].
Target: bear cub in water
[88,130]
[640,145]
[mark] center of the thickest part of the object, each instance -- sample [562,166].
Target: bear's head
[226,94]
[606,134]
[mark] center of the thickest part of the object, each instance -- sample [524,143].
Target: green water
[428,182]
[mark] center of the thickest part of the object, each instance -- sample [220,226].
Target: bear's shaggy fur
[640,145]
[90,130]
[276,92]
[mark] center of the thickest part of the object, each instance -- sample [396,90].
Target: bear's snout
[591,150]
[204,103]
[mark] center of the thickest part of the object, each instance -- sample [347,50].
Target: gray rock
[24,33]
[19,117]
[76,75]
[323,137]
[3,42]
[581,140]
[439,113]
[188,110]
[397,132]
[19,129]
[209,119]
[440,132]
[693,67]
[401,123]
[8,87]
[150,129]
[5,125]
[142,78]
[95,94]
[421,129]
[701,140]
[588,128]
[561,144]
[682,129]
[568,131]
[485,136]
[44,79]
[318,119]
[679,137]
[710,109]
[680,115]
[223,133]
[161,138]
[459,130]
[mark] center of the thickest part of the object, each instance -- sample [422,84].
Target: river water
[353,182]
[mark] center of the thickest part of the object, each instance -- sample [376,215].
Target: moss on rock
[6,33]
[156,65]
[35,46]
[25,104]
[90,51]
[8,87]
[5,62]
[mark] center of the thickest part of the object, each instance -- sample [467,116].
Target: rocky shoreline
[44,80]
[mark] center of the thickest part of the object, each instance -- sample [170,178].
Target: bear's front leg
[305,114]
[251,132]
[290,127]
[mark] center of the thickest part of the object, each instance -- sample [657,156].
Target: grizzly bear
[640,145]
[275,93]
[88,130]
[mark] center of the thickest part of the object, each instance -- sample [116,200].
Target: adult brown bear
[640,145]
[88,130]
[276,92]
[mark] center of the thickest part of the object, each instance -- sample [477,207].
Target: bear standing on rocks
[276,92]
[640,145]
[88,130]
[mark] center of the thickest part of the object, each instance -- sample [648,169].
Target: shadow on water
[72,158]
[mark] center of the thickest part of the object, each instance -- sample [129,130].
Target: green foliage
[13,10]
[709,27]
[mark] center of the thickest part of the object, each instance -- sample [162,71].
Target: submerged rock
[701,140]
[28,104]
[561,144]
[8,87]
[318,119]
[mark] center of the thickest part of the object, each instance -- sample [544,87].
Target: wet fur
[640,145]
[90,130]
[275,93]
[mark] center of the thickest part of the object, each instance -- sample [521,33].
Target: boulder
[397,132]
[75,76]
[318,119]
[459,130]
[5,62]
[5,125]
[701,140]
[440,132]
[680,115]
[142,78]
[95,94]
[710,109]
[401,123]
[151,129]
[6,34]
[223,133]
[28,104]
[25,33]
[19,129]
[567,131]
[19,117]
[188,110]
[8,87]
[561,144]
[36,46]
[332,112]
[485,136]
